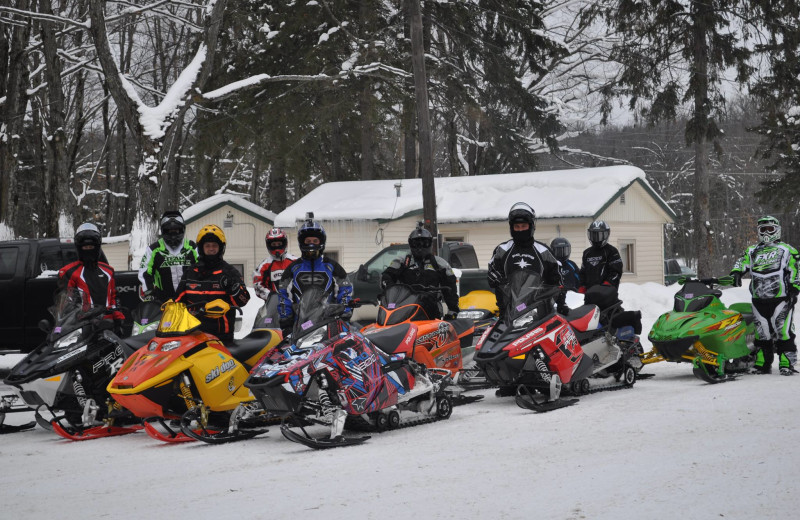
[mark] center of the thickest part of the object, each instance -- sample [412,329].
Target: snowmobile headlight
[69,340]
[170,345]
[312,338]
[526,319]
[472,315]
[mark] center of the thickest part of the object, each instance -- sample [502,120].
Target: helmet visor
[420,242]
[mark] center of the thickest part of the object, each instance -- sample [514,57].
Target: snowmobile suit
[268,274]
[202,283]
[509,257]
[95,281]
[601,265]
[774,288]
[570,274]
[162,267]
[432,271]
[304,273]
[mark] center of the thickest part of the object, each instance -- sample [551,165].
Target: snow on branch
[259,79]
[45,17]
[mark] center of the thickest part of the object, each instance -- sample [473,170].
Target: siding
[118,255]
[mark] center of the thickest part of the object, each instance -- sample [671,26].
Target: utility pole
[423,122]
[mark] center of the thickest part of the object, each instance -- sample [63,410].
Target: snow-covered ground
[670,447]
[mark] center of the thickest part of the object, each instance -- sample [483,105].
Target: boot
[787,362]
[760,366]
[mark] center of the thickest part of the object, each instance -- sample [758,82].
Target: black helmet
[598,233]
[421,242]
[561,248]
[173,228]
[521,212]
[87,234]
[311,228]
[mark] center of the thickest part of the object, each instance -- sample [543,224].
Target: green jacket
[773,268]
[161,269]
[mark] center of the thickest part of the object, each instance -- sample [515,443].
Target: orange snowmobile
[438,344]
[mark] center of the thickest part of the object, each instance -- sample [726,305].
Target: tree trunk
[409,125]
[277,185]
[12,117]
[701,220]
[58,168]
[423,122]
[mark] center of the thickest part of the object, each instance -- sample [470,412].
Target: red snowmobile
[532,351]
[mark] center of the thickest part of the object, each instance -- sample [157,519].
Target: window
[454,239]
[8,262]
[380,264]
[627,251]
[333,255]
[50,259]
[240,268]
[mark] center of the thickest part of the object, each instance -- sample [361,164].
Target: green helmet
[769,229]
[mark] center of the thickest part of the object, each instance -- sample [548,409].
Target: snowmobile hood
[160,361]
[711,320]
[50,359]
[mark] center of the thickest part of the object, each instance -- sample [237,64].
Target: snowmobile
[480,307]
[189,377]
[145,317]
[701,330]
[613,346]
[439,344]
[532,351]
[329,374]
[67,375]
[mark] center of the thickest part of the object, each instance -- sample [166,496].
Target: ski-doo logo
[216,371]
[112,359]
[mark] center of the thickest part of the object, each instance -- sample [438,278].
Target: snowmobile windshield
[314,311]
[176,320]
[694,296]
[527,295]
[398,304]
[71,310]
[268,317]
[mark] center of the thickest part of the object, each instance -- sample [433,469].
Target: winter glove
[729,280]
[118,327]
[563,310]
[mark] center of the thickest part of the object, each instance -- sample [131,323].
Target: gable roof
[582,192]
[204,207]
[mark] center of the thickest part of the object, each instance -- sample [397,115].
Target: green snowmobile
[700,329]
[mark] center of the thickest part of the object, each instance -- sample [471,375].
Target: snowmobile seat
[140,340]
[583,318]
[243,349]
[604,296]
[462,325]
[627,319]
[390,338]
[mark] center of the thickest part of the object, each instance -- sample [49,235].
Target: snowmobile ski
[7,405]
[461,400]
[700,372]
[321,443]
[95,432]
[14,428]
[168,435]
[526,399]
[191,426]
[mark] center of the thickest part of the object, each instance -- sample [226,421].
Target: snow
[553,194]
[670,447]
[222,198]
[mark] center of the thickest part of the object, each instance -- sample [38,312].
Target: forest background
[112,111]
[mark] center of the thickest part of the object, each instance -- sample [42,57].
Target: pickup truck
[460,255]
[28,281]
[673,271]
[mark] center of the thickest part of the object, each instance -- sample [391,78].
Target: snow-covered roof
[553,194]
[215,201]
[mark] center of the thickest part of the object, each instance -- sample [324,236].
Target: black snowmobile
[67,375]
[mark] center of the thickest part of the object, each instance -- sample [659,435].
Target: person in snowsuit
[212,278]
[312,269]
[422,267]
[93,278]
[269,272]
[523,253]
[162,265]
[570,272]
[601,263]
[775,284]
